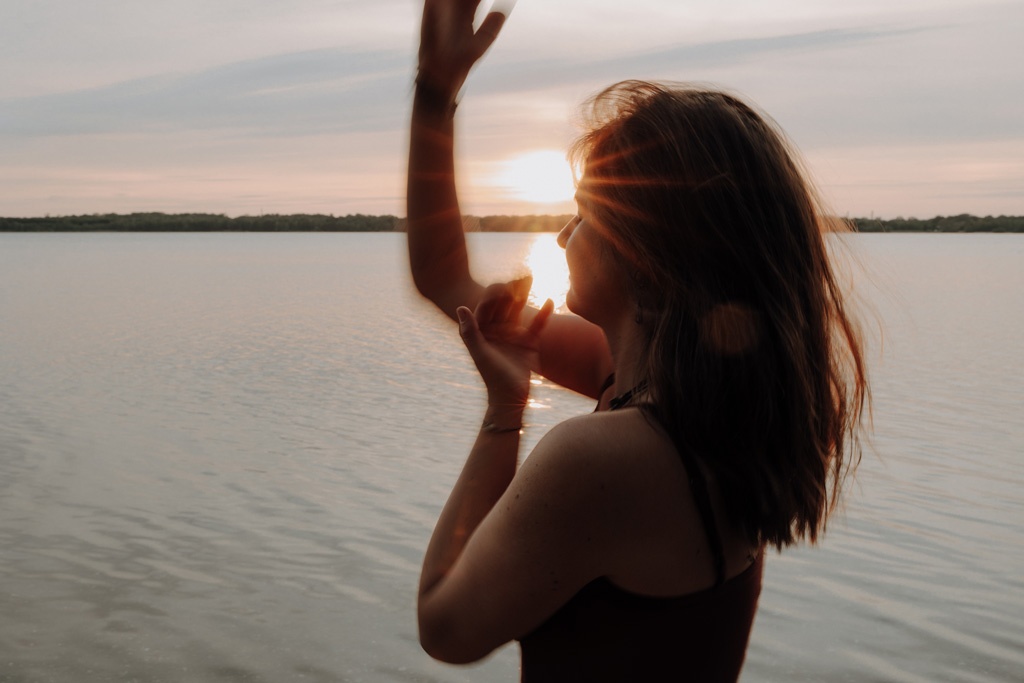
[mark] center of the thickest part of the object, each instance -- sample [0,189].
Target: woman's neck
[627,341]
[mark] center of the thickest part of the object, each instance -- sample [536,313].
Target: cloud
[332,90]
[682,59]
[310,92]
[940,78]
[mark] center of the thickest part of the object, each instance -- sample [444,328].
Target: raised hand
[502,348]
[449,46]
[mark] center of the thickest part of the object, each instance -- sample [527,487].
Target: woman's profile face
[597,283]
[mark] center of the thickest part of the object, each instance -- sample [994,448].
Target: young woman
[728,377]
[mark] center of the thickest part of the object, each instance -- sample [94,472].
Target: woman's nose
[563,236]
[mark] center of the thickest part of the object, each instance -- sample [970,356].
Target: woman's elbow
[423,280]
[445,641]
[430,287]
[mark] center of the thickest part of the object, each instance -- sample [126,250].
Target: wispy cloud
[686,60]
[300,93]
[939,82]
[337,90]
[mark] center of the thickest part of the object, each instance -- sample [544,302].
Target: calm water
[221,456]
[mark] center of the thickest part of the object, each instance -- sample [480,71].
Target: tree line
[200,222]
[206,222]
[961,223]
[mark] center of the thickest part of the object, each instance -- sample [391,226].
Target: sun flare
[539,177]
[546,260]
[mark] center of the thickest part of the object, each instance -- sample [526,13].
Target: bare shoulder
[617,478]
[622,443]
[611,473]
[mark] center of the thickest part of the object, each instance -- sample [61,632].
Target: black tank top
[605,633]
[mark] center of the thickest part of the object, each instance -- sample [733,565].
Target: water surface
[221,456]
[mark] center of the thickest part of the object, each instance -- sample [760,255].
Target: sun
[540,177]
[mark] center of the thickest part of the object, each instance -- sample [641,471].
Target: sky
[898,107]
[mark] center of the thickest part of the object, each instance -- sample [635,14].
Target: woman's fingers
[503,302]
[500,309]
[503,309]
[520,287]
[493,305]
[487,34]
[469,330]
[517,292]
[448,44]
[541,318]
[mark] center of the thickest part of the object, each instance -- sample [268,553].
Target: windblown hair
[755,365]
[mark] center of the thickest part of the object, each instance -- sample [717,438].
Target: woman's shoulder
[621,454]
[617,479]
[610,437]
[629,487]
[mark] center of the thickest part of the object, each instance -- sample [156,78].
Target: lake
[222,455]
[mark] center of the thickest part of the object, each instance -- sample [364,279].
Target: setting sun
[540,177]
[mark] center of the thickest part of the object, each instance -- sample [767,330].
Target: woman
[712,334]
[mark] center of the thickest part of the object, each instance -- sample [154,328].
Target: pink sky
[903,107]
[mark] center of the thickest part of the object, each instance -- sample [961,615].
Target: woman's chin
[576,307]
[570,301]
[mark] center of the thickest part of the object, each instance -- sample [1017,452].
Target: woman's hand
[503,349]
[449,46]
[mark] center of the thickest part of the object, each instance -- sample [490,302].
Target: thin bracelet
[492,428]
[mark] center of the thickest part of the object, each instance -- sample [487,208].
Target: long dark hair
[755,365]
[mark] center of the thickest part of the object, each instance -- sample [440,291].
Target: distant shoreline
[205,222]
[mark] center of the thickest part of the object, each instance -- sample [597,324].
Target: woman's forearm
[487,473]
[437,244]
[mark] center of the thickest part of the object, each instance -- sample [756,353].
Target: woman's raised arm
[437,246]
[573,352]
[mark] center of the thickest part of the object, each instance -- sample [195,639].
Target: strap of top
[608,382]
[699,490]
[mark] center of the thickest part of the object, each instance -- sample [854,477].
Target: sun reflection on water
[546,261]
